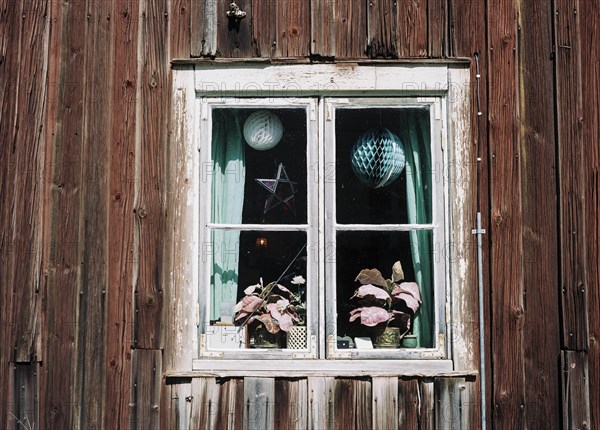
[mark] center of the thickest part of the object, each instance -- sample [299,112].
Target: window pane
[383,166]
[265,185]
[356,251]
[244,265]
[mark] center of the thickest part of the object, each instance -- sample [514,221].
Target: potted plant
[268,311]
[385,306]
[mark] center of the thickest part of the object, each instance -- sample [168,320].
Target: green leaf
[371,276]
[397,272]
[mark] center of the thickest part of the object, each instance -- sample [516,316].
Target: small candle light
[261,242]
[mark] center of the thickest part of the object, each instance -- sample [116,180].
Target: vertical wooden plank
[27,141]
[427,405]
[293,28]
[382,29]
[264,27]
[290,407]
[24,399]
[205,395]
[408,404]
[60,400]
[234,37]
[363,397]
[572,176]
[320,402]
[10,18]
[590,54]
[259,403]
[203,28]
[120,215]
[344,403]
[384,401]
[576,399]
[462,262]
[230,406]
[451,411]
[538,184]
[146,383]
[91,359]
[506,227]
[411,33]
[322,30]
[350,18]
[465,40]
[437,25]
[180,35]
[153,81]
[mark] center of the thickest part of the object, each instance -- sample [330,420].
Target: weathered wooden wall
[84,95]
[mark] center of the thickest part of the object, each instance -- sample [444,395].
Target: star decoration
[282,191]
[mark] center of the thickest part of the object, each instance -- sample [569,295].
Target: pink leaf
[409,293]
[371,290]
[370,316]
[249,304]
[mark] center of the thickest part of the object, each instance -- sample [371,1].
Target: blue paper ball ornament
[378,158]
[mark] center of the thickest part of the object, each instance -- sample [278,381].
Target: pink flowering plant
[384,302]
[272,305]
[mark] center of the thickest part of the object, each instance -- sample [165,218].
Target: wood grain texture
[119,318]
[146,385]
[150,213]
[465,40]
[320,402]
[576,390]
[230,406]
[384,402]
[23,397]
[350,19]
[293,28]
[203,28]
[412,29]
[291,400]
[259,403]
[451,407]
[506,222]
[60,401]
[91,355]
[179,24]
[234,37]
[437,22]
[352,403]
[25,200]
[408,404]
[382,29]
[572,176]
[264,28]
[539,222]
[204,401]
[590,56]
[427,405]
[9,37]
[322,28]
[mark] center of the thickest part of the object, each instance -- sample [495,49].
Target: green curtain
[418,196]
[229,174]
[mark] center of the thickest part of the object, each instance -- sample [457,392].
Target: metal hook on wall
[235,12]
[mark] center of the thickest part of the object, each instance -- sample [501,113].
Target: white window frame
[436,81]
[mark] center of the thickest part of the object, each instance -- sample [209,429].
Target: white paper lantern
[263,130]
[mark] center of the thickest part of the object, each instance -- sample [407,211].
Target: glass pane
[380,304]
[259,166]
[258,281]
[383,166]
